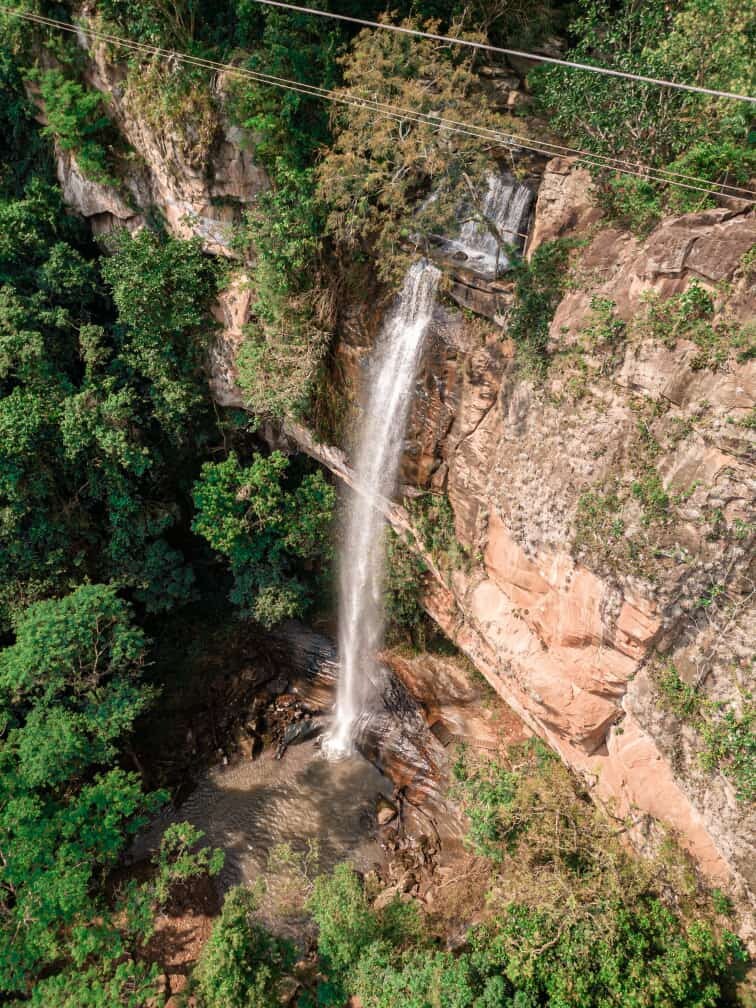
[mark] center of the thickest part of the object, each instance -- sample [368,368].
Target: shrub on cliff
[287,337]
[539,287]
[403,590]
[76,119]
[687,133]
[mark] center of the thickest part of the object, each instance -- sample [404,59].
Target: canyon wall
[180,160]
[570,619]
[574,590]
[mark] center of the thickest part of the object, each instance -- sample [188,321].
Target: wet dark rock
[296,732]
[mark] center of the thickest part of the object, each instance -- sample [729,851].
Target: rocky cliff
[605,509]
[180,159]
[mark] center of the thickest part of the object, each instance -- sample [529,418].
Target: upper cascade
[500,221]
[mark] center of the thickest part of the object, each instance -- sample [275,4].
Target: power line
[509,52]
[391,111]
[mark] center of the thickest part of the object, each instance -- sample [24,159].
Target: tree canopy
[266,531]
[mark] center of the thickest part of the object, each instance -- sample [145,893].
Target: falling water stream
[505,209]
[378,452]
[250,806]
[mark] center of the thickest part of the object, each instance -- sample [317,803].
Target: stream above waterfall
[486,231]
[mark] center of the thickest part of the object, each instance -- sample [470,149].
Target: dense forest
[129,500]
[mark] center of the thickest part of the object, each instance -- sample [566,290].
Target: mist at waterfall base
[379,449]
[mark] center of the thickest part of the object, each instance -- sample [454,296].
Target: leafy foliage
[97,416]
[22,147]
[433,519]
[107,965]
[266,531]
[690,315]
[242,964]
[539,285]
[727,734]
[102,404]
[70,693]
[289,125]
[154,22]
[688,133]
[574,920]
[378,170]
[75,118]
[284,345]
[403,589]
[350,932]
[162,290]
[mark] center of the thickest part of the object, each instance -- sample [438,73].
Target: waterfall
[378,452]
[506,205]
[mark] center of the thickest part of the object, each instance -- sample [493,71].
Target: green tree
[270,533]
[163,290]
[278,362]
[101,419]
[352,936]
[379,171]
[688,133]
[289,126]
[69,694]
[22,148]
[106,966]
[242,965]
[77,121]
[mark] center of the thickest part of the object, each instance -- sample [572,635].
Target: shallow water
[249,807]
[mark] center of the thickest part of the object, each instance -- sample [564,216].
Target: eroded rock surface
[232,311]
[189,166]
[563,619]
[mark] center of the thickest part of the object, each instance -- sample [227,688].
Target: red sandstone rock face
[562,635]
[564,203]
[448,695]
[628,772]
[564,642]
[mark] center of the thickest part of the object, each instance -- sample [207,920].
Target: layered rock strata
[567,627]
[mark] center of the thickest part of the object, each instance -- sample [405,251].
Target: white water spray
[378,452]
[506,206]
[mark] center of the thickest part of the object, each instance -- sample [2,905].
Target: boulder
[386,811]
[565,203]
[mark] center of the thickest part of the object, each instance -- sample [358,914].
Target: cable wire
[538,57]
[393,112]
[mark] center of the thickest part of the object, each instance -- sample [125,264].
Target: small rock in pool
[296,732]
